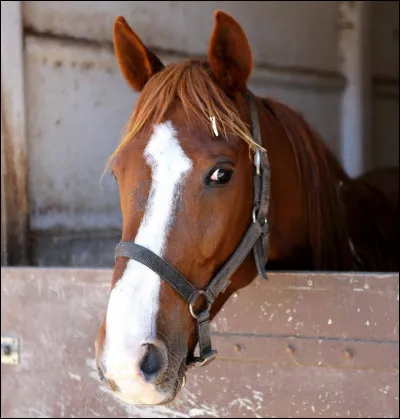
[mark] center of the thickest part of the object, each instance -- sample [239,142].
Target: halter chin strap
[256,238]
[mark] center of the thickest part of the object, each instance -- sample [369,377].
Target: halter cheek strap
[256,238]
[261,185]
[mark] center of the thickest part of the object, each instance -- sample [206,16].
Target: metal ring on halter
[197,316]
[253,214]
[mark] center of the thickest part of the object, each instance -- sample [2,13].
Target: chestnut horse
[185,174]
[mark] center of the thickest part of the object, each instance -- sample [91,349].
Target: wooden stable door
[300,345]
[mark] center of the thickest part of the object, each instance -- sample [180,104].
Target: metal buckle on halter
[207,359]
[203,361]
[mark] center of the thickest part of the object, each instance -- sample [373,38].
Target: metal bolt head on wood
[348,353]
[9,350]
[237,348]
[290,349]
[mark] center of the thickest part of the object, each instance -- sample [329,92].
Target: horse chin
[175,386]
[153,398]
[134,401]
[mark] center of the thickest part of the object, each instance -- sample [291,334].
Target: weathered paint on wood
[300,345]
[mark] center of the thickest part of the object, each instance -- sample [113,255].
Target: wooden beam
[13,134]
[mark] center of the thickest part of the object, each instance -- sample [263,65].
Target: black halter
[256,238]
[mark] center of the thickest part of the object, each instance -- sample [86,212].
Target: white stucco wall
[77,102]
[290,33]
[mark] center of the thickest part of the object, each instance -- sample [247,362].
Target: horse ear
[229,53]
[136,62]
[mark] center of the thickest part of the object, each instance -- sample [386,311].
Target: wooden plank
[262,370]
[341,306]
[13,131]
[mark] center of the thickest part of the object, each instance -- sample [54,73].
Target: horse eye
[219,176]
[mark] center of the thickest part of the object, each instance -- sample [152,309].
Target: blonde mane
[191,83]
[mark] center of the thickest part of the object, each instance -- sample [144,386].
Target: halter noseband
[256,238]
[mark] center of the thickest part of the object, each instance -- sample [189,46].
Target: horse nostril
[152,363]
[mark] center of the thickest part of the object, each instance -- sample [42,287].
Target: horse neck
[307,218]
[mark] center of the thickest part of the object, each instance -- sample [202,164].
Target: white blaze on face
[133,304]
